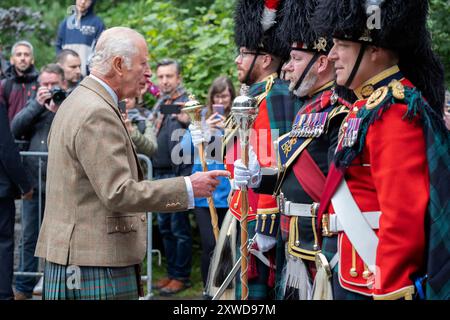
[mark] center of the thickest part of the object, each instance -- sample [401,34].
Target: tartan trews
[89,283]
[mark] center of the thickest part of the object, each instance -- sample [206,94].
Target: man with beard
[304,153]
[384,210]
[21,82]
[175,229]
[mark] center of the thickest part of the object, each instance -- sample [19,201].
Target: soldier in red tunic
[388,188]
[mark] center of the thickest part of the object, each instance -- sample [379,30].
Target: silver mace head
[244,111]
[194,109]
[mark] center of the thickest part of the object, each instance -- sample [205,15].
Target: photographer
[33,123]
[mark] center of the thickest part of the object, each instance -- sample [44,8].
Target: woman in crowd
[220,97]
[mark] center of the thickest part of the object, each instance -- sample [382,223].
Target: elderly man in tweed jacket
[94,229]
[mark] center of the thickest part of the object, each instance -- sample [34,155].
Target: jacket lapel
[96,87]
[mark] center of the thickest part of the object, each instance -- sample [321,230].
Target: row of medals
[309,125]
[351,132]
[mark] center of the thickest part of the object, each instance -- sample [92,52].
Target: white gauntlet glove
[251,176]
[198,135]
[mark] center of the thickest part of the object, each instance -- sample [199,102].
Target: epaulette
[395,89]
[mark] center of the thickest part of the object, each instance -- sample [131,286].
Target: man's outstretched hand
[204,183]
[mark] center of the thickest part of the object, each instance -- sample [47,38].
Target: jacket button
[143,217]
[42,141]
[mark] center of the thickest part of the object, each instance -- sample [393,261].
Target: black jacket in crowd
[161,161]
[13,178]
[33,123]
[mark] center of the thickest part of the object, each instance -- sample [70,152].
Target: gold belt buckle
[326,226]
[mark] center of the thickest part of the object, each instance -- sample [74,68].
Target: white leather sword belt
[331,225]
[289,208]
[357,225]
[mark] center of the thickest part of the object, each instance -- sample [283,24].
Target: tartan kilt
[95,283]
[280,272]
[258,288]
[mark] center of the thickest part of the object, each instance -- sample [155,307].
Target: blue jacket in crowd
[80,38]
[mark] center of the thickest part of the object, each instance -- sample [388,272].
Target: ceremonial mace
[193,108]
[244,111]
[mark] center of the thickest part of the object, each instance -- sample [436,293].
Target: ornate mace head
[244,111]
[194,109]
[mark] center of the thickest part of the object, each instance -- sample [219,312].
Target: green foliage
[201,38]
[199,33]
[39,26]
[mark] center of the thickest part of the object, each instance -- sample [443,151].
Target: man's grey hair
[114,42]
[22,43]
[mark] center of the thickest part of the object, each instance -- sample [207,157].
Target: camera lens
[58,95]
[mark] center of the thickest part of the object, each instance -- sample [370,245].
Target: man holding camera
[33,123]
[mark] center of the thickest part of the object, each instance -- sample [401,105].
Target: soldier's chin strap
[305,72]
[247,77]
[356,66]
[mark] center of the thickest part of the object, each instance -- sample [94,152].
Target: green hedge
[200,38]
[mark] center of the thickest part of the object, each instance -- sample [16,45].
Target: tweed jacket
[95,201]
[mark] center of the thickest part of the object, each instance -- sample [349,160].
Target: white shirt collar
[107,88]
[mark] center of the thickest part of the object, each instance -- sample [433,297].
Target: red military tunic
[389,175]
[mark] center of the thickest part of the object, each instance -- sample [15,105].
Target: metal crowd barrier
[150,250]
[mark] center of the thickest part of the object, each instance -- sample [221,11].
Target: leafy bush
[200,38]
